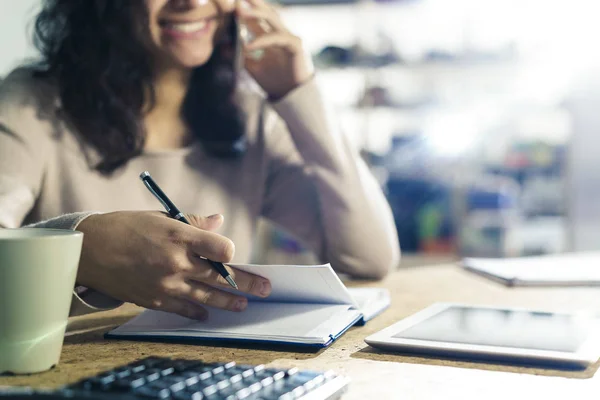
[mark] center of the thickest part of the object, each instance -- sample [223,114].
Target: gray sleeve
[25,141]
[320,190]
[66,221]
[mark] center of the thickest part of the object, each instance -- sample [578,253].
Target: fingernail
[214,216]
[265,289]
[240,305]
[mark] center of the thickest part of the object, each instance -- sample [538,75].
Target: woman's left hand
[284,64]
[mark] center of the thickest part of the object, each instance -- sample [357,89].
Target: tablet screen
[504,328]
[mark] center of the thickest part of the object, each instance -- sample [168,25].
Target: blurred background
[479,118]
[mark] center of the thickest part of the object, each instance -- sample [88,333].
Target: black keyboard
[164,378]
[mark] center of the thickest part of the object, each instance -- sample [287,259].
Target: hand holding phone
[274,56]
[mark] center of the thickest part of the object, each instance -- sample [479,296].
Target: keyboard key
[227,392]
[267,381]
[210,390]
[255,387]
[122,372]
[278,376]
[286,396]
[153,393]
[235,378]
[129,383]
[310,385]
[198,387]
[228,365]
[251,380]
[186,395]
[237,384]
[274,391]
[136,367]
[301,378]
[98,382]
[318,381]
[205,375]
[208,382]
[174,383]
[221,385]
[200,368]
[246,370]
[152,374]
[291,371]
[276,395]
[191,380]
[243,393]
[167,371]
[217,370]
[177,387]
[299,391]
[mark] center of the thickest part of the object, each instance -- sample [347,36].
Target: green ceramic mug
[38,268]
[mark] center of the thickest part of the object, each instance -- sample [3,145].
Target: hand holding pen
[178,215]
[150,259]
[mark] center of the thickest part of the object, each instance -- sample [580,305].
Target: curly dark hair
[105,81]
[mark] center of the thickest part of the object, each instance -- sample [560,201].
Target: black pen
[178,215]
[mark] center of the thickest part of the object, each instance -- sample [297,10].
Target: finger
[285,41]
[261,4]
[205,223]
[202,293]
[247,283]
[261,15]
[179,306]
[211,245]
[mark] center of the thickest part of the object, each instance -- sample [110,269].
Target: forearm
[357,222]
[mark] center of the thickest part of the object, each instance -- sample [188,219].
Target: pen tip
[230,280]
[144,174]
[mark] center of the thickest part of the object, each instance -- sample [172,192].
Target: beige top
[298,171]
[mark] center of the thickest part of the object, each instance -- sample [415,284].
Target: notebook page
[371,301]
[258,320]
[317,284]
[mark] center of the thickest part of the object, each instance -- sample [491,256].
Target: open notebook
[309,306]
[568,269]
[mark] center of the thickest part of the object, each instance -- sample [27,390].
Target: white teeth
[188,27]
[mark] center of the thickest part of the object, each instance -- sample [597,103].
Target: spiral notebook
[309,306]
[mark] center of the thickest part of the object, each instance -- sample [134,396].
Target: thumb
[205,223]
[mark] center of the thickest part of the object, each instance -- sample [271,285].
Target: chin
[192,60]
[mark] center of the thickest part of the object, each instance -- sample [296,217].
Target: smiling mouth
[186,27]
[190,29]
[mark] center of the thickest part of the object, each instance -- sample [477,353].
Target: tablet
[489,333]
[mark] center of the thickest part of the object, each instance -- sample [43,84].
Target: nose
[186,5]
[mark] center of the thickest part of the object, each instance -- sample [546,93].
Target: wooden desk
[382,376]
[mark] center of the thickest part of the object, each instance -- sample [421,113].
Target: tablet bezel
[588,353]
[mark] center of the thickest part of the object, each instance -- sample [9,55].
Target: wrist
[87,226]
[275,96]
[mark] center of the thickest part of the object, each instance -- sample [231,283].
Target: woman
[128,86]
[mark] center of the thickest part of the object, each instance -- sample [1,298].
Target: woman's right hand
[152,260]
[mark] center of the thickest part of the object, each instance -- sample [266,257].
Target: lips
[187,29]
